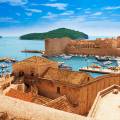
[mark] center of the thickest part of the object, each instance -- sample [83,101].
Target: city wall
[56,46]
[94,51]
[101,47]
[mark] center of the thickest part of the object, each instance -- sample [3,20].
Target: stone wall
[94,51]
[49,88]
[99,46]
[89,92]
[55,46]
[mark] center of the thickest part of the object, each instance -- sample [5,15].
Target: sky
[93,17]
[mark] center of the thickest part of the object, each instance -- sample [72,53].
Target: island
[0,36]
[57,33]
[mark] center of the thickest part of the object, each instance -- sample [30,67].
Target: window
[21,73]
[32,74]
[58,90]
[88,79]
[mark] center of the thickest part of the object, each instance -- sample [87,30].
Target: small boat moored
[66,57]
[101,58]
[107,63]
[65,67]
[3,66]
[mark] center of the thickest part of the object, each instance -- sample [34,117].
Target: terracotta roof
[20,95]
[65,76]
[36,59]
[41,100]
[29,97]
[60,103]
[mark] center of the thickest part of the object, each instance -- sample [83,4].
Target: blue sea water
[12,47]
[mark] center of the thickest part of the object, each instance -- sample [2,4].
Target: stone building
[105,107]
[56,46]
[33,66]
[101,47]
[66,90]
[51,82]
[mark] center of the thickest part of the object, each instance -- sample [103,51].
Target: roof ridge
[45,72]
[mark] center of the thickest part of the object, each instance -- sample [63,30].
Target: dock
[33,51]
[97,70]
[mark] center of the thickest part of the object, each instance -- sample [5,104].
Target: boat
[7,61]
[13,60]
[102,58]
[66,57]
[84,56]
[65,67]
[60,63]
[95,66]
[118,62]
[3,66]
[107,63]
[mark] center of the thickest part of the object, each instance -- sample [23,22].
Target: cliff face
[58,33]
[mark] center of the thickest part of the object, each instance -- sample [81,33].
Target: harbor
[75,62]
[72,62]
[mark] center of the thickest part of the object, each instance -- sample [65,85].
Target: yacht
[65,67]
[107,63]
[60,63]
[67,57]
[102,58]
[3,66]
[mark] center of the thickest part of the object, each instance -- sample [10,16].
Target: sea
[12,47]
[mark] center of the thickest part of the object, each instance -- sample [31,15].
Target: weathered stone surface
[3,116]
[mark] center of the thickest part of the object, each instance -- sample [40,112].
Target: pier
[99,70]
[33,51]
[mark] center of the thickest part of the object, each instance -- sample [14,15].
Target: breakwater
[33,51]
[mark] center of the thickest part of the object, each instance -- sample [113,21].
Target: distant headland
[0,36]
[57,33]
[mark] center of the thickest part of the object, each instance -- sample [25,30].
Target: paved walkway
[109,107]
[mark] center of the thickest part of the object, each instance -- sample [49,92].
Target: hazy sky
[94,17]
